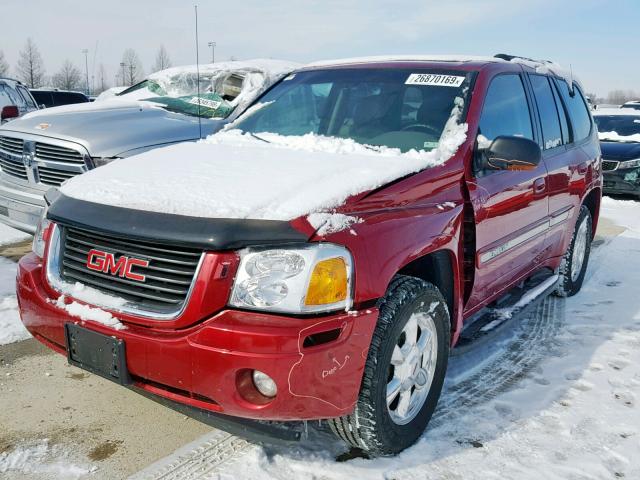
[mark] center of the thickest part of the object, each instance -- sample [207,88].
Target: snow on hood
[235,175]
[608,112]
[614,137]
[259,75]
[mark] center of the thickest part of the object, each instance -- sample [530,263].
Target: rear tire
[575,261]
[404,371]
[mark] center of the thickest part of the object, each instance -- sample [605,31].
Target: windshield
[620,125]
[179,93]
[398,108]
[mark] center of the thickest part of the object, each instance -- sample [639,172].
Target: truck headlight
[635,163]
[40,237]
[312,278]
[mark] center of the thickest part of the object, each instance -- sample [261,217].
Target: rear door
[510,207]
[571,168]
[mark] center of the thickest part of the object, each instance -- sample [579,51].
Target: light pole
[86,67]
[213,51]
[122,64]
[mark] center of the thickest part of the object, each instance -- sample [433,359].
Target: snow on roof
[234,175]
[406,58]
[615,111]
[259,74]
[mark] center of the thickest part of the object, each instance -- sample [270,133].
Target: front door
[510,207]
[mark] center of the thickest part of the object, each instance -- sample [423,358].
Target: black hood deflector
[168,229]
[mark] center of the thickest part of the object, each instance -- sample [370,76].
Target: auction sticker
[205,102]
[434,79]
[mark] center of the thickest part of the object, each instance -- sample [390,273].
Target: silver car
[43,149]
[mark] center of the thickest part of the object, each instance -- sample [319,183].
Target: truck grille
[48,152]
[168,277]
[53,176]
[10,144]
[11,157]
[15,169]
[609,165]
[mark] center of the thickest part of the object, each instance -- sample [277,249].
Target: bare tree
[133,71]
[30,66]
[618,97]
[4,66]
[68,77]
[162,60]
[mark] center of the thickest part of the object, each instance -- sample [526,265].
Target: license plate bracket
[97,353]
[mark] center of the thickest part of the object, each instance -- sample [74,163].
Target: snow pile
[11,328]
[326,223]
[614,137]
[625,213]
[109,93]
[236,175]
[42,461]
[10,235]
[90,295]
[85,312]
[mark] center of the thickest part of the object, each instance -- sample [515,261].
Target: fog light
[264,383]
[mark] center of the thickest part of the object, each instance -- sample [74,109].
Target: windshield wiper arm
[259,138]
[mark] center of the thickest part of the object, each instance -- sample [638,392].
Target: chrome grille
[12,145]
[11,157]
[169,275]
[15,169]
[609,165]
[53,176]
[48,152]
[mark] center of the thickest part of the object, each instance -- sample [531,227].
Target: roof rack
[508,58]
[12,79]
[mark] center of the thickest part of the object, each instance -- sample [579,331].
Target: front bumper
[205,365]
[21,205]
[625,181]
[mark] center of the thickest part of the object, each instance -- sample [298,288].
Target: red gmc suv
[320,259]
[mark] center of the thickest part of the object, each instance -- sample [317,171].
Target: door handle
[539,185]
[582,168]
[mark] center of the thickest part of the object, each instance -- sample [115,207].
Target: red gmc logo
[105,262]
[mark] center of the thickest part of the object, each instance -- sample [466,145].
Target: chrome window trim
[52,270]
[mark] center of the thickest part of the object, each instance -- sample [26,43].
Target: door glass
[506,111]
[551,133]
[562,112]
[578,112]
[27,97]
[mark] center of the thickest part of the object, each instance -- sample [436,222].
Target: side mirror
[10,111]
[512,153]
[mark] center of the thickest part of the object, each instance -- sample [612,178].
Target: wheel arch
[592,202]
[436,268]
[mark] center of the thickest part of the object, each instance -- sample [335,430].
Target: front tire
[404,371]
[574,263]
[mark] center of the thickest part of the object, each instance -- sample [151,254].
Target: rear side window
[506,111]
[551,132]
[43,98]
[578,112]
[66,98]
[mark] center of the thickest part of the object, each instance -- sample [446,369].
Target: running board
[517,302]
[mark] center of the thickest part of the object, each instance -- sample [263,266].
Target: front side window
[505,111]
[551,132]
[399,108]
[578,111]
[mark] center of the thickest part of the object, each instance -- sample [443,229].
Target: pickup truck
[321,257]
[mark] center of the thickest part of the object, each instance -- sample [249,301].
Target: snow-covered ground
[556,398]
[11,329]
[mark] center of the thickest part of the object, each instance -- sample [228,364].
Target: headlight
[635,163]
[313,278]
[39,238]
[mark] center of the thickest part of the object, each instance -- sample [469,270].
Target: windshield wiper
[259,138]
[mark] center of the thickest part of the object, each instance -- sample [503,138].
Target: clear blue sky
[598,38]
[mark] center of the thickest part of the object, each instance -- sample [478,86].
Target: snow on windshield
[270,177]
